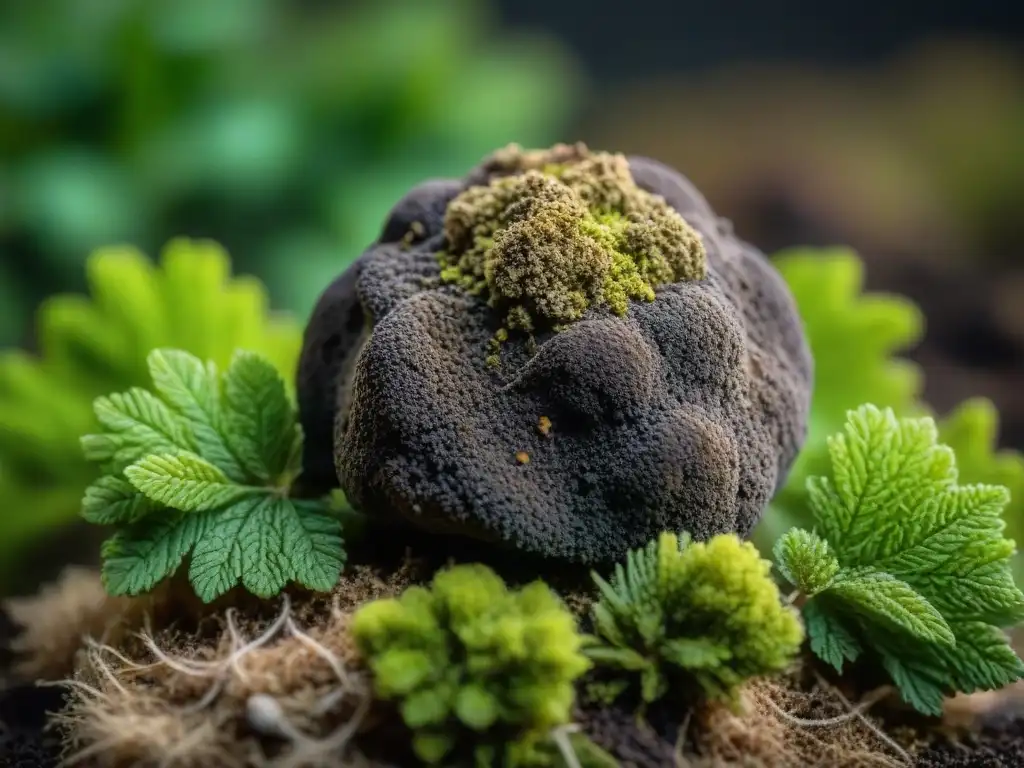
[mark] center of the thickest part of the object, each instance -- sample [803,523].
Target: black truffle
[586,439]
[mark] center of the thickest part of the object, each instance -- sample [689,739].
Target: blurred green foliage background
[285,129]
[282,129]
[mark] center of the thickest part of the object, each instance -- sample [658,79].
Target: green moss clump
[707,613]
[474,665]
[565,231]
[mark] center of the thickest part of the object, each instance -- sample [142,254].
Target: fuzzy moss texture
[564,230]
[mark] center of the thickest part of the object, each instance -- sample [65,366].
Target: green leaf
[983,659]
[185,482]
[806,561]
[261,425]
[432,746]
[142,555]
[313,544]
[830,640]
[882,467]
[137,424]
[854,338]
[263,543]
[972,431]
[917,687]
[193,389]
[926,573]
[217,558]
[884,598]
[114,500]
[266,567]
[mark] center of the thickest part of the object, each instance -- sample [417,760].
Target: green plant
[906,563]
[474,665]
[853,339]
[707,610]
[283,130]
[971,430]
[88,347]
[203,466]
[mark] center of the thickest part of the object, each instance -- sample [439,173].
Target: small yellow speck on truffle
[523,457]
[544,426]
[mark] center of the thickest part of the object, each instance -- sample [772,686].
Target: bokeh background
[286,128]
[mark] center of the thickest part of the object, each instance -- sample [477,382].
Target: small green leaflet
[137,423]
[924,575]
[265,543]
[140,556]
[193,389]
[113,500]
[261,425]
[806,559]
[882,598]
[185,482]
[202,469]
[830,640]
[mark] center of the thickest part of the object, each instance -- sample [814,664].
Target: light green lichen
[563,230]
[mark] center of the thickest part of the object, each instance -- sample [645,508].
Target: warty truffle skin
[684,414]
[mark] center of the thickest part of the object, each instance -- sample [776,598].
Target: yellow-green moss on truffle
[567,230]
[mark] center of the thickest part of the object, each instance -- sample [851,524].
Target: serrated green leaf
[217,558]
[113,500]
[142,555]
[91,346]
[806,561]
[139,424]
[261,424]
[266,567]
[972,431]
[982,660]
[884,598]
[919,689]
[957,595]
[313,544]
[925,569]
[185,482]
[193,389]
[882,467]
[829,639]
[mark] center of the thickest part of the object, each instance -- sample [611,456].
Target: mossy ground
[278,683]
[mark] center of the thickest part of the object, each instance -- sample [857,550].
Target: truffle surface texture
[565,374]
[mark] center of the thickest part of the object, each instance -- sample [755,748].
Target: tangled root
[777,726]
[281,690]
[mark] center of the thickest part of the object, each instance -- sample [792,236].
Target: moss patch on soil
[279,683]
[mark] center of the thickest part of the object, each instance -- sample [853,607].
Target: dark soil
[999,745]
